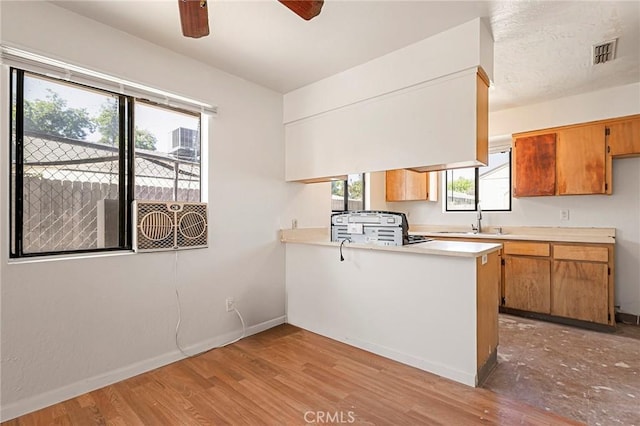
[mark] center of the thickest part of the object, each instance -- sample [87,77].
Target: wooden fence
[61,215]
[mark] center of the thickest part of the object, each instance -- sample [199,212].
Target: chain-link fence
[71,186]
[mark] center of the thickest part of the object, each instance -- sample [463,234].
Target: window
[74,172]
[348,194]
[489,185]
[167,152]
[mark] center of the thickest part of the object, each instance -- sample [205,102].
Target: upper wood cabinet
[407,185]
[572,160]
[567,160]
[623,137]
[534,159]
[580,160]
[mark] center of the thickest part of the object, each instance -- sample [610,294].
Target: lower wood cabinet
[580,290]
[527,276]
[563,281]
[581,283]
[527,284]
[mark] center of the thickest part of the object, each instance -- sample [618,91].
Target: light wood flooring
[289,376]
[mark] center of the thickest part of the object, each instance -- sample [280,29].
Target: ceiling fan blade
[306,9]
[194,17]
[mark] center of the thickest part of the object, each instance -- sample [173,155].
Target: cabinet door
[416,185]
[534,160]
[407,185]
[624,137]
[395,185]
[580,290]
[527,284]
[580,156]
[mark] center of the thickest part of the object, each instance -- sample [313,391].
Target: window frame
[477,187]
[153,104]
[126,164]
[345,196]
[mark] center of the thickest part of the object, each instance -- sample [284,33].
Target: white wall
[466,46]
[75,324]
[402,129]
[390,112]
[620,210]
[389,303]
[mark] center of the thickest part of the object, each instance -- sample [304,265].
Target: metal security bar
[69,187]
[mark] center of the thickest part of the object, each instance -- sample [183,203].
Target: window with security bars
[80,155]
[168,159]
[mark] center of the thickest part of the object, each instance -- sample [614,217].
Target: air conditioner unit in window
[162,225]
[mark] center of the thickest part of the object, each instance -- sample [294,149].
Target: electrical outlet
[564,215]
[230,304]
[294,223]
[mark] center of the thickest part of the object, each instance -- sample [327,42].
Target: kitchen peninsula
[397,301]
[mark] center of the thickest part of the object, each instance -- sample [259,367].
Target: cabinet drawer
[527,249]
[590,253]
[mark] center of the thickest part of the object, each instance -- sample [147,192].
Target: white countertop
[319,236]
[554,234]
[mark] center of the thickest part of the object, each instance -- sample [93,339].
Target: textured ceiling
[542,48]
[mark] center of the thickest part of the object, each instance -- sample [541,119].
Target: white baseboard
[28,405]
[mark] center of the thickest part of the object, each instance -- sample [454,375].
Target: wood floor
[288,376]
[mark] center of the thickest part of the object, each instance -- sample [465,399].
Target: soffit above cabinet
[467,46]
[401,111]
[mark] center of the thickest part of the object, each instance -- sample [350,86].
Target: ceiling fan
[194,15]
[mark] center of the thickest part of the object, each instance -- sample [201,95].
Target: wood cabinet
[527,284]
[562,161]
[527,276]
[407,185]
[623,137]
[534,159]
[564,282]
[572,160]
[581,282]
[580,160]
[580,290]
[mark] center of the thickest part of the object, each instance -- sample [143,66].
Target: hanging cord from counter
[342,244]
[244,328]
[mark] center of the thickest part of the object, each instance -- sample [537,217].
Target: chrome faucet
[477,229]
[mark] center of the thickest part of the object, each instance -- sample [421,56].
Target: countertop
[525,233]
[320,236]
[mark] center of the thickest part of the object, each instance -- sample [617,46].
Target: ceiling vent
[604,52]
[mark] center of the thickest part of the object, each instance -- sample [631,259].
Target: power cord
[244,328]
[342,244]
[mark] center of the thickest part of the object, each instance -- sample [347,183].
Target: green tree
[337,188]
[108,125]
[145,139]
[355,190]
[463,185]
[53,117]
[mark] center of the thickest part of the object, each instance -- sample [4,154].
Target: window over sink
[489,185]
